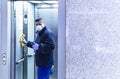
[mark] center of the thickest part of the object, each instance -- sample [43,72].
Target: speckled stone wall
[92,39]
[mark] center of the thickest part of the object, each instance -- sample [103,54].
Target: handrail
[19,61]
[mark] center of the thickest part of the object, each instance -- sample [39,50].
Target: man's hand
[35,46]
[24,41]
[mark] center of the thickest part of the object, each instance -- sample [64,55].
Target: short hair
[39,19]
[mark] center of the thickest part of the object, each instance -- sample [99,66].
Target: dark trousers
[44,72]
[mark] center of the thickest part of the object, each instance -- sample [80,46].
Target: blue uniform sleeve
[29,44]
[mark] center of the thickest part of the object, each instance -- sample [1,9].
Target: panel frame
[61,39]
[13,44]
[4,50]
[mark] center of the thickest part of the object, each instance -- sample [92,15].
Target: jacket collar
[42,31]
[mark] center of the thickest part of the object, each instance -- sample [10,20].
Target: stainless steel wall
[30,62]
[18,8]
[24,69]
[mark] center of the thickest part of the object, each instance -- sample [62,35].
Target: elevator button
[4,59]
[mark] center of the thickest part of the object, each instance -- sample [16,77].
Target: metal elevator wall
[30,61]
[25,69]
[18,8]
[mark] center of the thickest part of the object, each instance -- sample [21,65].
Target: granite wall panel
[92,39]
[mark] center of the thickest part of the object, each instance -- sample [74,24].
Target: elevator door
[23,24]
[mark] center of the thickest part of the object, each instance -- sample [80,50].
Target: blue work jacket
[44,54]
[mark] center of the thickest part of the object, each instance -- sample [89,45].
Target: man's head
[39,24]
[39,21]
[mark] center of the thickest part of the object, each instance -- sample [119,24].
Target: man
[44,46]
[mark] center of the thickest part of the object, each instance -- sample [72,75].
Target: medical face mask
[38,28]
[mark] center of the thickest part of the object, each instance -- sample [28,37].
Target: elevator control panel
[4,59]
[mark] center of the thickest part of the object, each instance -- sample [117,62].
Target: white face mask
[38,28]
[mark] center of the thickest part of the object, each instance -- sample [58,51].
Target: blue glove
[52,70]
[24,41]
[35,46]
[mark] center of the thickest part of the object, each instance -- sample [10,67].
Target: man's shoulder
[48,31]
